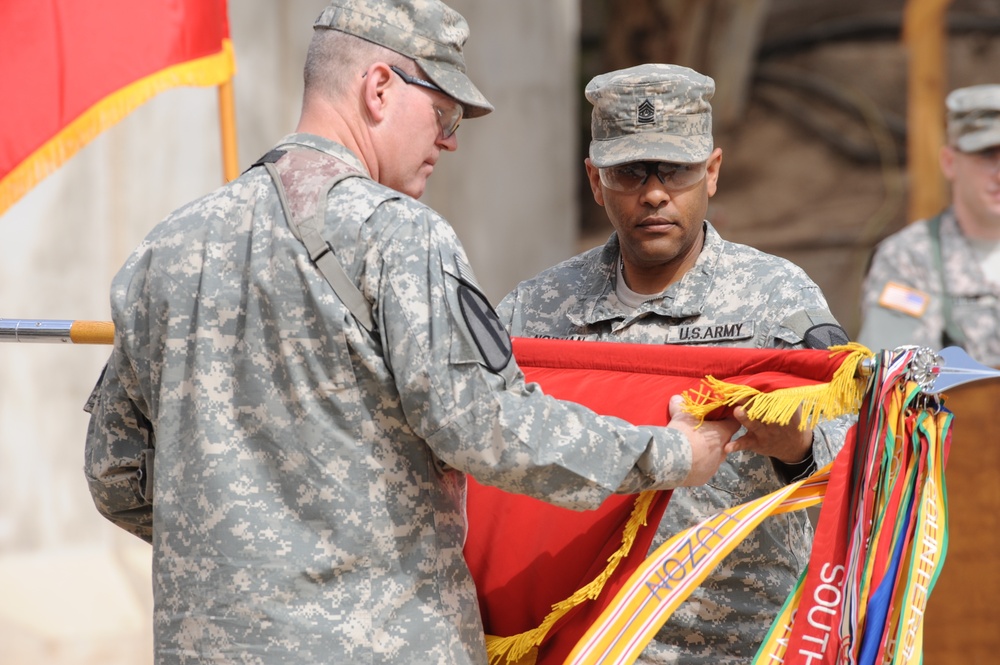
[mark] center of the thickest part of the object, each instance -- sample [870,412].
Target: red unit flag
[73,68]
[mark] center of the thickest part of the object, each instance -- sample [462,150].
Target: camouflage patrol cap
[429,31]
[974,117]
[652,112]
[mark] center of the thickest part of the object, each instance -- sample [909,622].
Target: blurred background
[812,114]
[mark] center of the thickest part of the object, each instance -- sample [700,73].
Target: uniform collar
[324,145]
[683,299]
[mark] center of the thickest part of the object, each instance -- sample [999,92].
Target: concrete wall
[73,588]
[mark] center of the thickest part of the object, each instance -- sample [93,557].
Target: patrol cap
[652,112]
[429,31]
[974,117]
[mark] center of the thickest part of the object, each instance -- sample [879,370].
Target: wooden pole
[227,127]
[926,41]
[92,332]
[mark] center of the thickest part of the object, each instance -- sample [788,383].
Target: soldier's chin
[416,186]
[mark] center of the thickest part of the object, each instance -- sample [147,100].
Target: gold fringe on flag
[208,71]
[822,401]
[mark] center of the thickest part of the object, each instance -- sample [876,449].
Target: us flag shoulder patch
[904,299]
[465,271]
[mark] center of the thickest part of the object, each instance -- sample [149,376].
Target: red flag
[527,555]
[73,68]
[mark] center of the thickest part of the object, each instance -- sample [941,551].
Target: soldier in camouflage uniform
[665,276]
[304,372]
[936,283]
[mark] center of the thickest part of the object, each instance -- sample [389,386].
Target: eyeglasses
[633,175]
[448,119]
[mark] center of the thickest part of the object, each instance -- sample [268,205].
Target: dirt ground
[815,172]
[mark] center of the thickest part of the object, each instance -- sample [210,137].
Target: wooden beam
[926,41]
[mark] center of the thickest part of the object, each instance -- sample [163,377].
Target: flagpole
[227,128]
[57,331]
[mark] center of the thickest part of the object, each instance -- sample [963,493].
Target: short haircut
[335,58]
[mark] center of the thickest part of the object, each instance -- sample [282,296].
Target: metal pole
[57,331]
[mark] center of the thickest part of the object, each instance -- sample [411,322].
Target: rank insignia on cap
[645,113]
[904,299]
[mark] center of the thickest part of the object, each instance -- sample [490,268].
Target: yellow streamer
[671,573]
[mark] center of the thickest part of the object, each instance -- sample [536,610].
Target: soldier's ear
[712,168]
[947,158]
[594,177]
[374,85]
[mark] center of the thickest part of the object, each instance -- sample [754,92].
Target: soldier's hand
[708,441]
[786,443]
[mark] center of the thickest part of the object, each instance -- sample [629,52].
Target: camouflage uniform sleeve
[506,311]
[810,324]
[480,417]
[902,260]
[511,313]
[118,455]
[829,437]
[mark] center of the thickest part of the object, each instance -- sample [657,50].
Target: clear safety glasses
[633,175]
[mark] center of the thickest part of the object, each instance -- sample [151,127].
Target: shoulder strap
[951,333]
[320,251]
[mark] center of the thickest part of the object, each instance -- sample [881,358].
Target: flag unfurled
[73,69]
[545,574]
